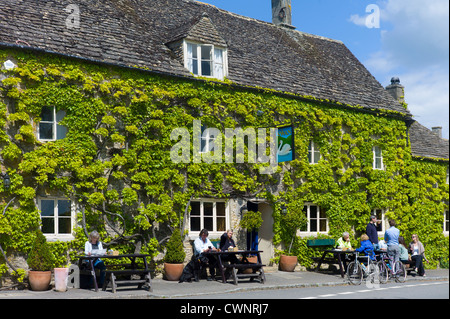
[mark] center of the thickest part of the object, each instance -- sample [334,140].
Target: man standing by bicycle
[391,238]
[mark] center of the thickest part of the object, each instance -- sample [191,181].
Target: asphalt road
[413,290]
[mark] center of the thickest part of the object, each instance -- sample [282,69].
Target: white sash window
[205,60]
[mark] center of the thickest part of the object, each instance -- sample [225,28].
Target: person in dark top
[227,242]
[371,231]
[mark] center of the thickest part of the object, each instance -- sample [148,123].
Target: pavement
[163,289]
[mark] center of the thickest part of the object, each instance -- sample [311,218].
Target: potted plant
[174,258]
[292,220]
[40,261]
[251,221]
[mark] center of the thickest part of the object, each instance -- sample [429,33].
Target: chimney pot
[396,89]
[282,13]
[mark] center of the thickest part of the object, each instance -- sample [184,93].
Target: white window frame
[55,235]
[377,155]
[193,234]
[207,140]
[215,63]
[313,149]
[318,218]
[55,125]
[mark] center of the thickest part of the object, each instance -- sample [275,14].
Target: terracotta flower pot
[173,271]
[39,280]
[288,263]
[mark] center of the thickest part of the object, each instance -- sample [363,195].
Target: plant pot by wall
[39,280]
[61,278]
[288,263]
[173,271]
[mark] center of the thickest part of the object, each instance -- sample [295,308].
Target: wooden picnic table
[237,269]
[113,271]
[339,257]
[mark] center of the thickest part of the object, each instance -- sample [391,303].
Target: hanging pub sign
[285,144]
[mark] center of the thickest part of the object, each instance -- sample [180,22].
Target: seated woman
[227,242]
[418,254]
[93,243]
[366,247]
[404,256]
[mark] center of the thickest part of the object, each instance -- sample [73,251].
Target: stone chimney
[396,90]
[437,130]
[282,13]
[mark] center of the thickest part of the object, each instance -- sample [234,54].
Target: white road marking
[377,289]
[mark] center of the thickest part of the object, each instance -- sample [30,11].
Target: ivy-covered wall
[115,159]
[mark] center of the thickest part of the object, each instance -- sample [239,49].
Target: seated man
[202,245]
[344,242]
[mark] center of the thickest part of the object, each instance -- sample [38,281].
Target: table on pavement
[238,269]
[339,257]
[114,270]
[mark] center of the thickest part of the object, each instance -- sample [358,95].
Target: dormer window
[205,60]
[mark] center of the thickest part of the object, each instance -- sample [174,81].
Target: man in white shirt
[203,245]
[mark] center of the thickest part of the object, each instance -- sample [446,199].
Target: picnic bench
[238,269]
[329,255]
[322,243]
[121,274]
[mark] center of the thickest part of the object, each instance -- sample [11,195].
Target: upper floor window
[206,60]
[313,153]
[377,158]
[49,129]
[57,216]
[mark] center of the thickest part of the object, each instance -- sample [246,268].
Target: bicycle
[357,270]
[386,271]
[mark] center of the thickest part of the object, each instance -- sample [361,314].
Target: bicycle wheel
[399,271]
[354,273]
[383,272]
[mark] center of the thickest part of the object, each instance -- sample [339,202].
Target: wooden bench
[112,279]
[114,271]
[257,271]
[238,269]
[322,243]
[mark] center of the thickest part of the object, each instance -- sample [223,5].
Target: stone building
[115,73]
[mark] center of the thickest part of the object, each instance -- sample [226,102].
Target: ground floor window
[208,214]
[317,219]
[57,217]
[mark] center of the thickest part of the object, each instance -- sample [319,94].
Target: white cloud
[356,19]
[415,47]
[427,95]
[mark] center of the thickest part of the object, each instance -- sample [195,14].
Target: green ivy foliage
[115,160]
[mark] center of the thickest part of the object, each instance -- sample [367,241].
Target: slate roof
[425,143]
[135,33]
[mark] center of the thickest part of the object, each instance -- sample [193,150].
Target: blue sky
[412,42]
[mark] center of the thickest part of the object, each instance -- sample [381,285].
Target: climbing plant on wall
[115,159]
